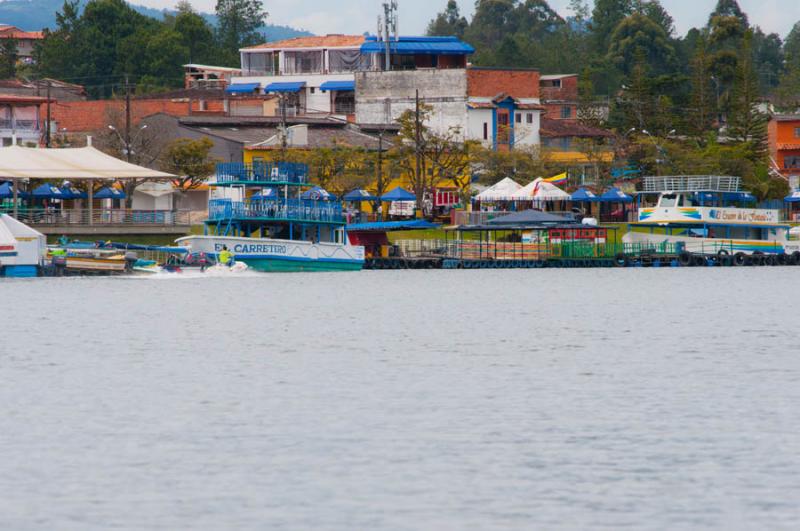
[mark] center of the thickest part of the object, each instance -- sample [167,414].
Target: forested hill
[33,15]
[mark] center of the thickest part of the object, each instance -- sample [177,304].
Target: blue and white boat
[280,228]
[709,214]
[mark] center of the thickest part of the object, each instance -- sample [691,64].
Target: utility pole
[284,130]
[389,27]
[47,128]
[379,189]
[127,119]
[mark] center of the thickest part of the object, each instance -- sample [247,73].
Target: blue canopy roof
[47,191]
[285,86]
[72,193]
[794,197]
[398,194]
[338,85]
[109,193]
[359,195]
[7,191]
[241,88]
[415,224]
[582,194]
[419,46]
[615,195]
[318,194]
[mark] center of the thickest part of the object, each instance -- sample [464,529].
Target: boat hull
[711,245]
[272,255]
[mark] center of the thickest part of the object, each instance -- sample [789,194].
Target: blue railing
[277,209]
[262,172]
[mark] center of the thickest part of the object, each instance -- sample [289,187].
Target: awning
[155,189]
[383,226]
[47,191]
[615,195]
[338,85]
[419,46]
[7,191]
[582,194]
[57,164]
[287,86]
[318,194]
[242,88]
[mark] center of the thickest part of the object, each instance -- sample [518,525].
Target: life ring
[685,259]
[794,259]
[698,261]
[726,260]
[771,260]
[722,252]
[620,260]
[783,259]
[739,259]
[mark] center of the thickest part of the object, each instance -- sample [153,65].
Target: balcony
[295,210]
[261,173]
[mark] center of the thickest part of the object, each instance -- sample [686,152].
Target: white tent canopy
[18,162]
[500,191]
[540,190]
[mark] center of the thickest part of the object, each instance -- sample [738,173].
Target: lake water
[489,399]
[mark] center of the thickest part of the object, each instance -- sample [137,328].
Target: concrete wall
[381,97]
[527,134]
[476,119]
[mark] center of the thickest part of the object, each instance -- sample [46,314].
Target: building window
[551,83]
[485,131]
[518,117]
[797,132]
[791,162]
[566,112]
[529,118]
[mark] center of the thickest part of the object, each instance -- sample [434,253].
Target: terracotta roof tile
[325,41]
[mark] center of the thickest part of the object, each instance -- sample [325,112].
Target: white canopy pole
[91,203]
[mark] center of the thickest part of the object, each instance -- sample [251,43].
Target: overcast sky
[358,16]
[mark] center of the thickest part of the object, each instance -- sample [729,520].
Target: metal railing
[275,209]
[262,172]
[690,183]
[116,216]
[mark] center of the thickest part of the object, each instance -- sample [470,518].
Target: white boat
[706,215]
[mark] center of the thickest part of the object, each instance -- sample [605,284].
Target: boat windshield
[668,200]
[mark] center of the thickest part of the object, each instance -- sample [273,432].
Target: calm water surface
[499,399]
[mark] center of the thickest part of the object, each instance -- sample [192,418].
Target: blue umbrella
[109,193]
[359,195]
[582,194]
[318,194]
[615,195]
[794,197]
[398,194]
[47,191]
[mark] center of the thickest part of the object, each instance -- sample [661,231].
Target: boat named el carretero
[288,225]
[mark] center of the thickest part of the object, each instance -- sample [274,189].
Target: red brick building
[559,95]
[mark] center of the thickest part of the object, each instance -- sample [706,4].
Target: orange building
[784,145]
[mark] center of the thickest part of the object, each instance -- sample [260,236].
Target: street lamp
[127,149]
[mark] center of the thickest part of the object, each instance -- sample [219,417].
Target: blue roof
[359,195]
[419,45]
[398,194]
[266,193]
[237,88]
[615,195]
[582,194]
[47,191]
[415,224]
[338,85]
[285,86]
[794,197]
[109,193]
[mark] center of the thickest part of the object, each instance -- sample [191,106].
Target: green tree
[637,36]
[237,26]
[747,124]
[195,33]
[448,22]
[190,160]
[8,58]
[703,103]
[606,15]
